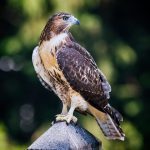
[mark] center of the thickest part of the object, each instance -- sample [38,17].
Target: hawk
[70,71]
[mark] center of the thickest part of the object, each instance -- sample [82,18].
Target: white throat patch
[56,40]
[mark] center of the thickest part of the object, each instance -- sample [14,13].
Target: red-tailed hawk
[70,71]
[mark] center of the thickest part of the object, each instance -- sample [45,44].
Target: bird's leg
[64,112]
[59,117]
[69,115]
[64,109]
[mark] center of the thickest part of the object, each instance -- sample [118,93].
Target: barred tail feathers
[109,127]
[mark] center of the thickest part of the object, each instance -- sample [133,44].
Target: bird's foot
[68,118]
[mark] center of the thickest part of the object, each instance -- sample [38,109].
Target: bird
[68,69]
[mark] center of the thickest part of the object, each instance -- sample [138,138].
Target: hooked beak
[72,20]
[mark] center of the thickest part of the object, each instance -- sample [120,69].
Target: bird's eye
[65,18]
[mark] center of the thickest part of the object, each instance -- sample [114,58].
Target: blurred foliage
[116,33]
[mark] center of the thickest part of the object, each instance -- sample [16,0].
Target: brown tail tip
[115,131]
[116,138]
[108,123]
[110,129]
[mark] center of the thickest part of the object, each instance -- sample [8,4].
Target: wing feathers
[81,72]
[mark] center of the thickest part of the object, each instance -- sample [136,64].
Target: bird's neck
[57,40]
[51,30]
[49,36]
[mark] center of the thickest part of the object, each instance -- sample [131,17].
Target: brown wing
[81,72]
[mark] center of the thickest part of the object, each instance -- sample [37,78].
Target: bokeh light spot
[126,91]
[133,108]
[125,55]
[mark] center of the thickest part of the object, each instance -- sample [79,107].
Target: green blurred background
[116,33]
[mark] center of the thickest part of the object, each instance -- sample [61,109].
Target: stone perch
[66,137]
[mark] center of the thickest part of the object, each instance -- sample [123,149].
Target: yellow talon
[66,118]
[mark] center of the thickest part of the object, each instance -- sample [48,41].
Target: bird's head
[58,23]
[61,22]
